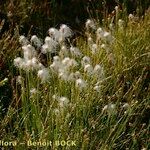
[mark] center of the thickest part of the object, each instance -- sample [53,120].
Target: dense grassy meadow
[89,92]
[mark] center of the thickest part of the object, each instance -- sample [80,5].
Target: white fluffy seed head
[19,79]
[131,16]
[64,75]
[104,35]
[56,65]
[97,68]
[56,58]
[81,84]
[23,40]
[73,76]
[40,66]
[126,106]
[120,23]
[111,26]
[29,52]
[85,60]
[50,42]
[103,46]
[90,41]
[98,71]
[116,8]
[33,91]
[77,75]
[50,45]
[99,33]
[69,63]
[75,51]
[110,108]
[97,88]
[63,101]
[64,52]
[90,24]
[18,62]
[88,69]
[66,60]
[65,31]
[29,46]
[43,74]
[94,48]
[108,37]
[35,63]
[45,49]
[29,64]
[36,41]
[54,33]
[72,63]
[64,48]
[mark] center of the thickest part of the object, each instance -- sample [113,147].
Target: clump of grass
[96,94]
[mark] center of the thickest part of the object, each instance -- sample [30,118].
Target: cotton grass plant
[96,94]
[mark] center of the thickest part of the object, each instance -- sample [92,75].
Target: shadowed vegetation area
[75,74]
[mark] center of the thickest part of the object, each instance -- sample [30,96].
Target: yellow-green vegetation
[92,96]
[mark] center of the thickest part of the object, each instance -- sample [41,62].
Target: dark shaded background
[37,16]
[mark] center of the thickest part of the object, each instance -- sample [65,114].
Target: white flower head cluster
[104,35]
[110,108]
[65,31]
[70,64]
[116,8]
[85,60]
[33,92]
[62,101]
[120,24]
[23,40]
[29,60]
[93,46]
[81,84]
[64,51]
[131,17]
[99,71]
[36,41]
[90,24]
[19,80]
[29,52]
[54,33]
[62,34]
[90,41]
[50,45]
[96,71]
[56,39]
[43,74]
[97,88]
[63,67]
[88,68]
[75,51]
[97,36]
